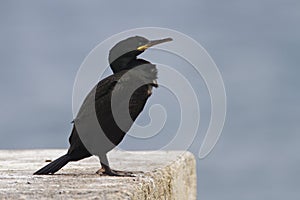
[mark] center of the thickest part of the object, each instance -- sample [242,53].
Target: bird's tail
[54,166]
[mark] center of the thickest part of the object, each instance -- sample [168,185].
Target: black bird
[126,91]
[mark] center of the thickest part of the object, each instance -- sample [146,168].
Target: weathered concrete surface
[165,175]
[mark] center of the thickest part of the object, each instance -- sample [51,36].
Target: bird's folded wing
[99,93]
[120,86]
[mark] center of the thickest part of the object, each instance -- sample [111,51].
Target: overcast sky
[254,43]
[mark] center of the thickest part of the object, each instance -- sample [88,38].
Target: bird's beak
[152,43]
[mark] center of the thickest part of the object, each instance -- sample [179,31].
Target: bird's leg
[105,169]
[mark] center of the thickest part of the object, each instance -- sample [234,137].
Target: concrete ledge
[165,175]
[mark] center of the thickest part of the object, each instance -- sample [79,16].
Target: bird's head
[127,50]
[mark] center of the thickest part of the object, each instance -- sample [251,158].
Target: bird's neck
[120,64]
[136,62]
[126,63]
[146,70]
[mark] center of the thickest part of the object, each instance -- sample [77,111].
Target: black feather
[54,166]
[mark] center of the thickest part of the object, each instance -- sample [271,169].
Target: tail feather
[54,166]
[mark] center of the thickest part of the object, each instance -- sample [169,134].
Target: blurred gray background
[254,43]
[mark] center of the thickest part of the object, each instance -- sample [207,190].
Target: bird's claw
[112,172]
[116,173]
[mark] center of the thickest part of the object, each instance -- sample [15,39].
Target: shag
[129,72]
